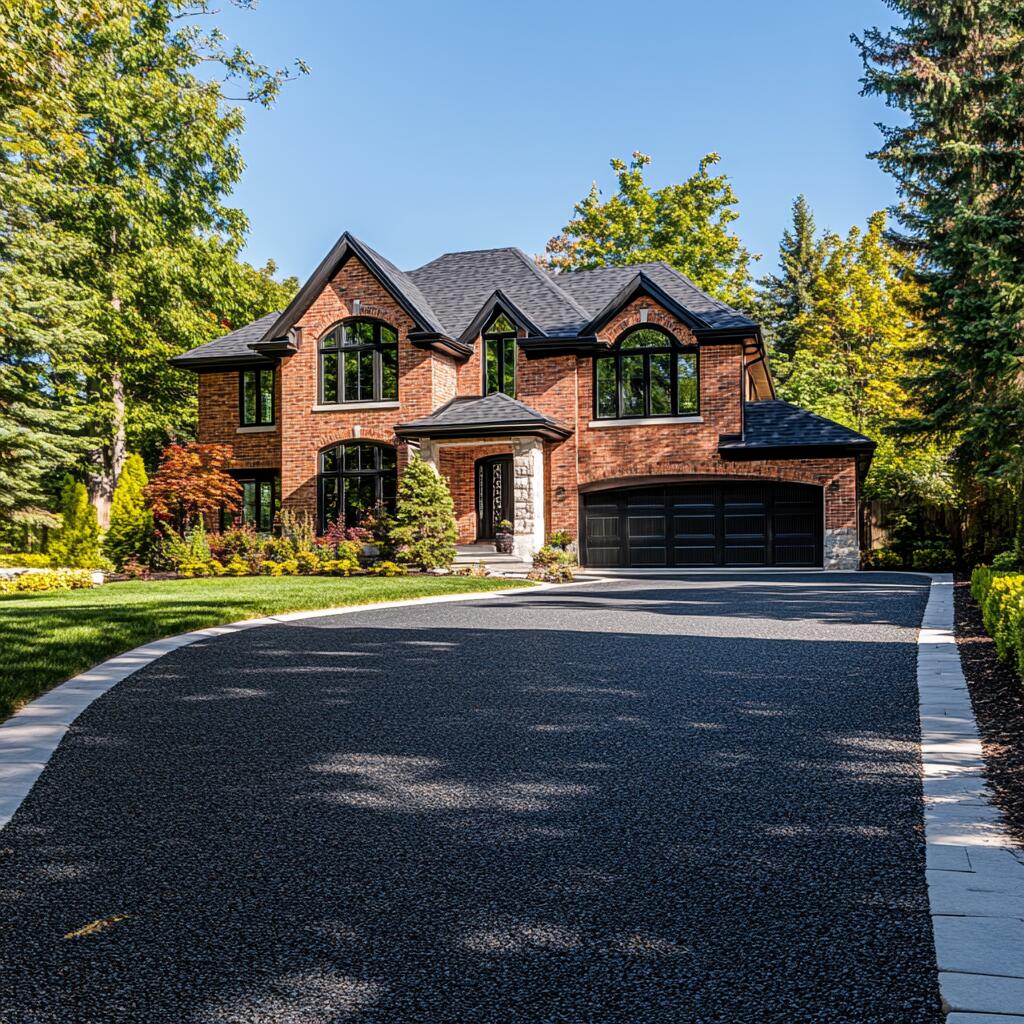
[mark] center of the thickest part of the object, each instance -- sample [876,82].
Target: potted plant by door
[503,537]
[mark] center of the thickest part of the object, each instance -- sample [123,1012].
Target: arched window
[355,477]
[359,363]
[500,357]
[648,374]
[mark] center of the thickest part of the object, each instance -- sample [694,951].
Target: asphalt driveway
[650,800]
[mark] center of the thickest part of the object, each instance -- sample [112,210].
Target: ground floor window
[356,477]
[260,500]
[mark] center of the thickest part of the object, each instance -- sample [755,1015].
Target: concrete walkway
[647,800]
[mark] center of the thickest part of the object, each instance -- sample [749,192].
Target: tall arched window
[355,477]
[648,374]
[500,357]
[359,363]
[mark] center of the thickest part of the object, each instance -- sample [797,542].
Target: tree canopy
[688,225]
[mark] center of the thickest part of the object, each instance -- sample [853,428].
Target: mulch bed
[997,695]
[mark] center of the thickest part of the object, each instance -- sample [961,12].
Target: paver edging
[975,873]
[30,736]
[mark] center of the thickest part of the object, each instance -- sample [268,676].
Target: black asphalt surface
[648,800]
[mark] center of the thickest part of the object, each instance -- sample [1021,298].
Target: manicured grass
[47,638]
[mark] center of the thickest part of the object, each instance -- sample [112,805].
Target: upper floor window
[648,374]
[500,357]
[359,363]
[256,398]
[356,477]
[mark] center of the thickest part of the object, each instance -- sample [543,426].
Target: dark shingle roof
[772,424]
[473,413]
[448,294]
[235,344]
[594,289]
[408,287]
[459,283]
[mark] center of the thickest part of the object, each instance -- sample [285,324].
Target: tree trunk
[112,455]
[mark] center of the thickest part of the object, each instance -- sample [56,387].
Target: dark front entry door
[705,524]
[493,494]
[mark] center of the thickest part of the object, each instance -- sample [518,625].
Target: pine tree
[422,530]
[77,544]
[955,69]
[786,300]
[131,523]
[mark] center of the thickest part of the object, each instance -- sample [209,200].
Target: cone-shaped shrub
[77,544]
[130,535]
[422,531]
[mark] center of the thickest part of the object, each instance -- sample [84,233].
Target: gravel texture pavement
[643,801]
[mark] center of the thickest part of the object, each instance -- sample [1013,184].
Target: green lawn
[47,638]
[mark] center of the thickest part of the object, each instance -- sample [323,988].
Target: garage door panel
[693,525]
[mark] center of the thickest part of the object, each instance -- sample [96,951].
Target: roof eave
[515,428]
[741,451]
[200,363]
[537,347]
[440,343]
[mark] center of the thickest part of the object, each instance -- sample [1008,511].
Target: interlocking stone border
[30,736]
[975,872]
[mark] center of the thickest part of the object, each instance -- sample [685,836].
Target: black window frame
[333,342]
[672,346]
[257,477]
[258,421]
[385,490]
[500,338]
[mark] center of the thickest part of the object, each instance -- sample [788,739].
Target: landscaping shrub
[308,563]
[77,544]
[560,539]
[1001,598]
[48,579]
[26,560]
[339,566]
[882,558]
[193,482]
[1006,560]
[423,530]
[553,565]
[130,535]
[386,568]
[933,556]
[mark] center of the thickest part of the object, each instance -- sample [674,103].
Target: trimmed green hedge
[1001,598]
[48,579]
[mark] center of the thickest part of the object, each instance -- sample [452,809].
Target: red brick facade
[559,386]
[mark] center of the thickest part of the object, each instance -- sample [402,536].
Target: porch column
[428,453]
[528,496]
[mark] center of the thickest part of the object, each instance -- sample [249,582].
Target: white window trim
[353,406]
[263,429]
[646,421]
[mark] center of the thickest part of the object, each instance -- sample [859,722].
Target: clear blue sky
[432,126]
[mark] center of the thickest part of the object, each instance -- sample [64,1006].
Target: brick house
[621,404]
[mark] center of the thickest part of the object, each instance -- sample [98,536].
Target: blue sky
[432,126]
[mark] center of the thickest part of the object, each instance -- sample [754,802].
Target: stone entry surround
[527,486]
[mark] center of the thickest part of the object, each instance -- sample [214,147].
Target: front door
[493,494]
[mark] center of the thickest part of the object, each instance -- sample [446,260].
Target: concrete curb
[975,872]
[30,736]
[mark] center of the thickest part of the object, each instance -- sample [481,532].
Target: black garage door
[693,525]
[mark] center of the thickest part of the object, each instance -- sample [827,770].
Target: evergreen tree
[786,301]
[131,523]
[687,225]
[77,544]
[955,69]
[422,530]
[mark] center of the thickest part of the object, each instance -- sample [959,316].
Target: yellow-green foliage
[201,568]
[1001,597]
[26,560]
[387,569]
[49,579]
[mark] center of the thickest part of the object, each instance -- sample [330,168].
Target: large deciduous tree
[955,70]
[687,225]
[131,162]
